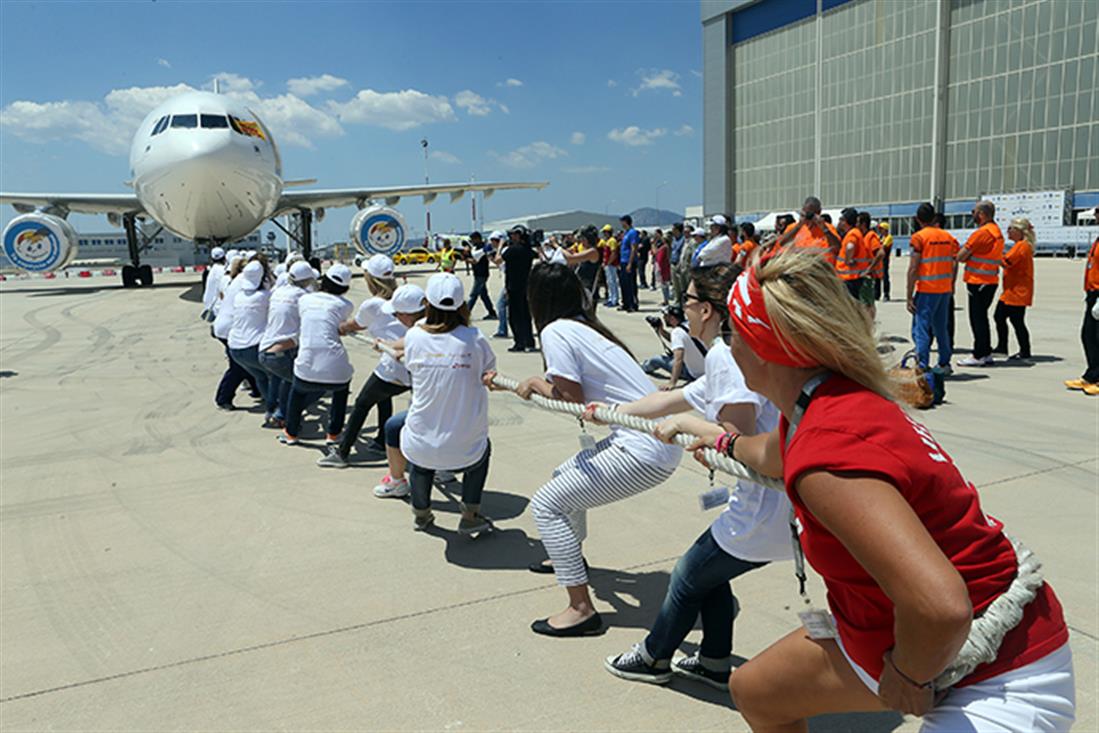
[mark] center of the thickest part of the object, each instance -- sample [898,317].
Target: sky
[601,99]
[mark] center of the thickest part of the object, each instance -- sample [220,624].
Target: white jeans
[1039,697]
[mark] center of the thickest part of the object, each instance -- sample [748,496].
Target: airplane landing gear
[129,276]
[136,274]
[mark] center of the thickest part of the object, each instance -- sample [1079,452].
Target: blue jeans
[280,375]
[480,290]
[655,364]
[932,312]
[699,585]
[304,393]
[611,274]
[248,358]
[473,481]
[502,312]
[393,428]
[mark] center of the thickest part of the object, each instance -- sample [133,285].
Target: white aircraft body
[206,168]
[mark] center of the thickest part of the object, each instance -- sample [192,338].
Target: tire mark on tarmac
[316,635]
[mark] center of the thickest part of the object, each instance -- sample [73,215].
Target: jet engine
[378,230]
[38,242]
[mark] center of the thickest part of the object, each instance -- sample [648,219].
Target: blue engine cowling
[378,230]
[38,242]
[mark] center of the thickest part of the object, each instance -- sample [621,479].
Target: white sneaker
[971,361]
[391,488]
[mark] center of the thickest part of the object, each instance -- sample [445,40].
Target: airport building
[883,104]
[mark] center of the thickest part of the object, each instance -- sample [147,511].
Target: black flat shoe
[591,626]
[546,567]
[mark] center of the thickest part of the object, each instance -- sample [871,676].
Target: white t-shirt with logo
[249,318]
[605,371]
[224,321]
[756,524]
[717,250]
[385,326]
[321,355]
[447,424]
[283,319]
[213,286]
[693,359]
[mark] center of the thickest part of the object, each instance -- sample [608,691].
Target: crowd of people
[784,376]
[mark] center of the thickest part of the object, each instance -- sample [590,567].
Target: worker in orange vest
[1017,291]
[931,274]
[811,231]
[981,256]
[853,262]
[887,250]
[877,254]
[1089,334]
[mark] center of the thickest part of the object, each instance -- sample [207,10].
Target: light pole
[662,185]
[427,206]
[607,208]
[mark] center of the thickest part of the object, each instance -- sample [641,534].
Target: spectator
[940,222]
[679,241]
[852,261]
[686,359]
[682,272]
[479,255]
[1017,293]
[931,275]
[448,257]
[662,270]
[627,264]
[877,256]
[518,258]
[644,247]
[609,246]
[811,231]
[719,248]
[887,251]
[749,241]
[497,243]
[982,254]
[1089,332]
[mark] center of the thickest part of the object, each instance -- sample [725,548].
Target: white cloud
[309,85]
[578,138]
[402,110]
[697,73]
[528,156]
[659,80]
[611,83]
[585,169]
[684,131]
[476,105]
[230,82]
[291,119]
[634,136]
[164,63]
[444,157]
[509,83]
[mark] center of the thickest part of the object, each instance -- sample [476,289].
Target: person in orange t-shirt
[876,254]
[982,255]
[748,243]
[812,231]
[1089,332]
[1018,289]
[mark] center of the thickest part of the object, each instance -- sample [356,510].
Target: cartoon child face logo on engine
[384,235]
[32,246]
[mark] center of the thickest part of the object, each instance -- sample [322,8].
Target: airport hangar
[881,104]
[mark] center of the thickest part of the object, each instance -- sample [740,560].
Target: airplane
[206,168]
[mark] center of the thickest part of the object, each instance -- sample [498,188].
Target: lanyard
[800,407]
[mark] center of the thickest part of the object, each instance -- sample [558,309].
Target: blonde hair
[382,287]
[1023,225]
[815,316]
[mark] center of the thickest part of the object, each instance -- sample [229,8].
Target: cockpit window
[188,121]
[211,121]
[160,125]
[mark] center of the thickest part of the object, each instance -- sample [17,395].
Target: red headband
[749,314]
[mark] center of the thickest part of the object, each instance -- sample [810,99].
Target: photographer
[686,357]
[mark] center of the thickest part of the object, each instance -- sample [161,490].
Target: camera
[653,321]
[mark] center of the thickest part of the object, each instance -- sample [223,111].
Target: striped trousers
[591,478]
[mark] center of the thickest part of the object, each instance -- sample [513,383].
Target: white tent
[767,223]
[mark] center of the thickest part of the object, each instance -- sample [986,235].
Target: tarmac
[166,566]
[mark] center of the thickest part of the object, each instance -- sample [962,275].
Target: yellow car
[415,256]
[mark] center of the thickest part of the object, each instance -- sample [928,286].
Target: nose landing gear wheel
[145,275]
[129,276]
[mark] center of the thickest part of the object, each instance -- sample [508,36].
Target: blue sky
[602,99]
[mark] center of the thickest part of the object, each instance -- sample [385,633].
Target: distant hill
[650,217]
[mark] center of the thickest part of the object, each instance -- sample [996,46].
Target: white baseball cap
[873,225]
[445,291]
[340,274]
[250,253]
[718,220]
[280,269]
[300,271]
[700,232]
[497,235]
[217,253]
[252,275]
[408,298]
[292,257]
[379,266]
[316,273]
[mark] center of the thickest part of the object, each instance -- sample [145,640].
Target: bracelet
[722,442]
[732,446]
[930,685]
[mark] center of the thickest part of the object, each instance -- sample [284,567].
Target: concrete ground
[168,566]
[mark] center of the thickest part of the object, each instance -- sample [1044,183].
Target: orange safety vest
[1018,286]
[936,270]
[812,236]
[873,245]
[986,247]
[855,266]
[1091,270]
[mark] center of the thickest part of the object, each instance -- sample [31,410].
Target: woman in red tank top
[890,524]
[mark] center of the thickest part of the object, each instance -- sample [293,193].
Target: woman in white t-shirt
[322,365]
[585,362]
[389,379]
[249,323]
[279,345]
[223,322]
[447,425]
[753,529]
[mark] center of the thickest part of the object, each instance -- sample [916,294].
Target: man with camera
[812,231]
[684,356]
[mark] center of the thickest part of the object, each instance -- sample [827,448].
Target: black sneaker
[632,666]
[691,667]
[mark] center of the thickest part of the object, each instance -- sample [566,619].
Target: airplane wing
[337,197]
[81,203]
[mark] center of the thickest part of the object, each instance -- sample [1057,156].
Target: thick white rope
[986,633]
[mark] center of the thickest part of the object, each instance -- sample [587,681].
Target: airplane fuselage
[206,167]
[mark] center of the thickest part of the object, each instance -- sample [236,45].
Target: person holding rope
[934,612]
[249,323]
[753,529]
[279,345]
[585,362]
